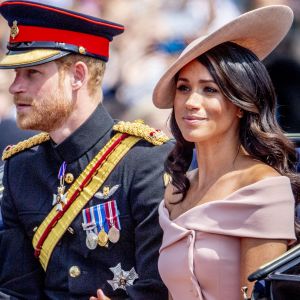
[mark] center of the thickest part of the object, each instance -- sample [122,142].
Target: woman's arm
[255,253]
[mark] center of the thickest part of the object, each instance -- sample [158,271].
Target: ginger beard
[47,113]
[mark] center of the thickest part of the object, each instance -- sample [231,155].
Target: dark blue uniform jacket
[30,180]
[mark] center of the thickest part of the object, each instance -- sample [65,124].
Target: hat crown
[40,26]
[260,31]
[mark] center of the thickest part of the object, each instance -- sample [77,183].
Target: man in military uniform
[86,190]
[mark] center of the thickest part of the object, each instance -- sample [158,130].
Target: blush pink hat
[259,30]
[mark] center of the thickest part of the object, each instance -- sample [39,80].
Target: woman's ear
[79,75]
[240,113]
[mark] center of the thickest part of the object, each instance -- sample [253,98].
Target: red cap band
[94,44]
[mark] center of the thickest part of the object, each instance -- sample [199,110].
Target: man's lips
[21,106]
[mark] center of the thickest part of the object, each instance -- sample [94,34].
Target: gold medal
[114,234]
[102,238]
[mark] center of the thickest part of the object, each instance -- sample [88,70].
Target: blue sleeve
[20,273]
[146,193]
[1,194]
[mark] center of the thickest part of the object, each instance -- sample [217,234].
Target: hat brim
[260,31]
[30,58]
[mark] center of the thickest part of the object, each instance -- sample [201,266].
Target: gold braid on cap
[26,144]
[139,129]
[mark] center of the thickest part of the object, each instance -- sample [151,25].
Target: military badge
[101,220]
[114,234]
[122,278]
[112,217]
[60,198]
[91,240]
[107,192]
[14,30]
[102,238]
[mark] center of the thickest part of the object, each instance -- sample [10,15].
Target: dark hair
[244,80]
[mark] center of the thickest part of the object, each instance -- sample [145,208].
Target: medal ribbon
[99,214]
[88,222]
[100,217]
[112,214]
[61,173]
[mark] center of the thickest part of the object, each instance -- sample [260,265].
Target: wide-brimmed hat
[41,33]
[259,30]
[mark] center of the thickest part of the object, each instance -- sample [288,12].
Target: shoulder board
[26,144]
[139,129]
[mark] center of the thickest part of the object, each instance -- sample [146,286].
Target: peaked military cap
[41,33]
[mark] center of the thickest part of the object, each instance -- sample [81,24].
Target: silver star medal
[60,198]
[122,278]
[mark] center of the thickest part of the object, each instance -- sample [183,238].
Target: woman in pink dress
[236,211]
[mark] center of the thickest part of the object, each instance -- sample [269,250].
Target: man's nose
[18,86]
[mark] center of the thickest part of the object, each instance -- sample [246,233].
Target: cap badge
[14,31]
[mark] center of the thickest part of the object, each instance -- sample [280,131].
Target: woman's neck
[216,159]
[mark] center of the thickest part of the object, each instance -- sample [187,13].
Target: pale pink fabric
[200,252]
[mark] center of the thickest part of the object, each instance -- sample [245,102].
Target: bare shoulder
[254,171]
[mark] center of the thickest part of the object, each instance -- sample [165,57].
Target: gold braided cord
[87,193]
[26,144]
[139,129]
[29,57]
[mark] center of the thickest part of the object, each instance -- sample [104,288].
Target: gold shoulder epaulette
[138,128]
[26,144]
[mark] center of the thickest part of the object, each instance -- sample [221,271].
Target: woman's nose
[194,101]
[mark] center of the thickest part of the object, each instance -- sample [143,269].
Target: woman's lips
[194,119]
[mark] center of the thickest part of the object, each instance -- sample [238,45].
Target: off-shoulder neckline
[259,182]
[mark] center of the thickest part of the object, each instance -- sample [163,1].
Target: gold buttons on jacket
[69,178]
[74,271]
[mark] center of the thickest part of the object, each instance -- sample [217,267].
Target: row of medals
[102,238]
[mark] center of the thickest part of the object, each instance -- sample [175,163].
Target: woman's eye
[183,88]
[209,89]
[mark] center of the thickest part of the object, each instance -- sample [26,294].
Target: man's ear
[79,75]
